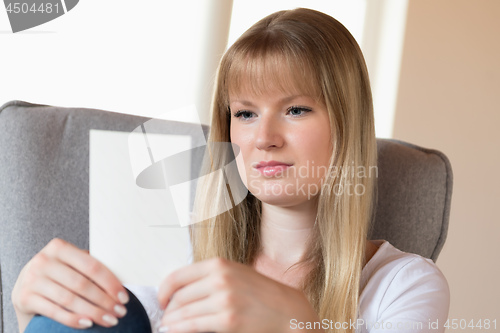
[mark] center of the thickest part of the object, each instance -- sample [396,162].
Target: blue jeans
[135,321]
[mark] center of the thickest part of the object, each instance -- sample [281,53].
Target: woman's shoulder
[396,284]
[389,261]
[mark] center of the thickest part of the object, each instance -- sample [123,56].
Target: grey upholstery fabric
[414,197]
[44,187]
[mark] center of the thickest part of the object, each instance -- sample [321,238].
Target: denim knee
[136,321]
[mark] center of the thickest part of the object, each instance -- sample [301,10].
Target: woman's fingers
[209,323]
[205,297]
[186,276]
[72,302]
[88,266]
[223,296]
[59,314]
[190,293]
[67,285]
[83,287]
[200,308]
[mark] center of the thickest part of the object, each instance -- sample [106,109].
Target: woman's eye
[243,114]
[298,111]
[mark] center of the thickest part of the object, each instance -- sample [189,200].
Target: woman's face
[285,143]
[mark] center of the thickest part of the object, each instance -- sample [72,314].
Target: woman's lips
[271,168]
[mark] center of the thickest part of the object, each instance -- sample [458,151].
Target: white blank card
[135,231]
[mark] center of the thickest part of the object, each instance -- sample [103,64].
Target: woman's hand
[221,296]
[66,284]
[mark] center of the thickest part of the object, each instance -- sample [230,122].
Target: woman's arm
[222,296]
[66,284]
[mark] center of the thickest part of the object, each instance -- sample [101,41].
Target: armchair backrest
[414,197]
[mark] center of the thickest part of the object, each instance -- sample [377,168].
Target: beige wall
[449,99]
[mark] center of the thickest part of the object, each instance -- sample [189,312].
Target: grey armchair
[44,187]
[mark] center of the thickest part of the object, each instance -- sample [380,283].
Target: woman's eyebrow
[284,100]
[291,98]
[244,102]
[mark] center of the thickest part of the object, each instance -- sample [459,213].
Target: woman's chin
[277,196]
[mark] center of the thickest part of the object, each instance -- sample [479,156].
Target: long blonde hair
[309,51]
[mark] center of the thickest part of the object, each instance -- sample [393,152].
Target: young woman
[293,94]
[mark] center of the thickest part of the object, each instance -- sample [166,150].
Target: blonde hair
[313,53]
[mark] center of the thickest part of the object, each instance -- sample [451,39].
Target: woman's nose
[269,134]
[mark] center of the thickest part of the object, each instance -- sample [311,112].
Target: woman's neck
[285,236]
[285,232]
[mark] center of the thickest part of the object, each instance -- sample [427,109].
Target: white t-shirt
[400,292]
